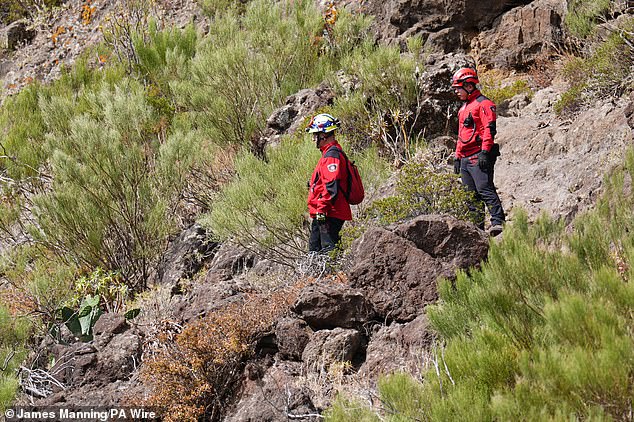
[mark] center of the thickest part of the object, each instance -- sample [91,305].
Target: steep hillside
[153,224]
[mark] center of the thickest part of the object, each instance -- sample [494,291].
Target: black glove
[484,161]
[456,166]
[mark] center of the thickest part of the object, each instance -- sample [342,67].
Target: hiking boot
[495,230]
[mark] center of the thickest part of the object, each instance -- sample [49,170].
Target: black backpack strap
[333,152]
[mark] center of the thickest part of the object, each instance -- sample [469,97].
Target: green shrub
[14,334]
[41,281]
[166,54]
[248,65]
[114,181]
[498,92]
[422,190]
[22,140]
[382,107]
[583,16]
[604,71]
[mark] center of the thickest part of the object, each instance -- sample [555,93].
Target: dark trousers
[481,182]
[324,236]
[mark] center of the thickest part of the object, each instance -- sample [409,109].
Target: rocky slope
[374,317]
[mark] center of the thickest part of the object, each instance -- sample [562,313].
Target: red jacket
[330,176]
[476,125]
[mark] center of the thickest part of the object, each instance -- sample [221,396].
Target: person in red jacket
[476,151]
[327,204]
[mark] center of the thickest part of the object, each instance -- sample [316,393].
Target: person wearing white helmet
[327,204]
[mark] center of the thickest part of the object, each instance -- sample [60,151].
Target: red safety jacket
[476,125]
[329,178]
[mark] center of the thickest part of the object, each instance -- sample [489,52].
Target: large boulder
[520,35]
[397,269]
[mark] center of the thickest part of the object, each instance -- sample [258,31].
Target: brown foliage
[198,373]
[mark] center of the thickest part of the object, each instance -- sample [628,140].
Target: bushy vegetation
[12,10]
[542,331]
[14,334]
[604,61]
[421,189]
[583,16]
[499,92]
[378,101]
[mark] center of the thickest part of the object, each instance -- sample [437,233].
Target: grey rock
[333,306]
[397,347]
[292,335]
[327,347]
[518,36]
[186,255]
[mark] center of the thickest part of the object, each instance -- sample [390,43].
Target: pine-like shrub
[378,102]
[421,189]
[583,16]
[14,333]
[246,67]
[114,181]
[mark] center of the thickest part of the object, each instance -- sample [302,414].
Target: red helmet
[466,74]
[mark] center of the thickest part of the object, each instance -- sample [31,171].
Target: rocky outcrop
[100,373]
[520,35]
[185,255]
[397,269]
[558,165]
[445,25]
